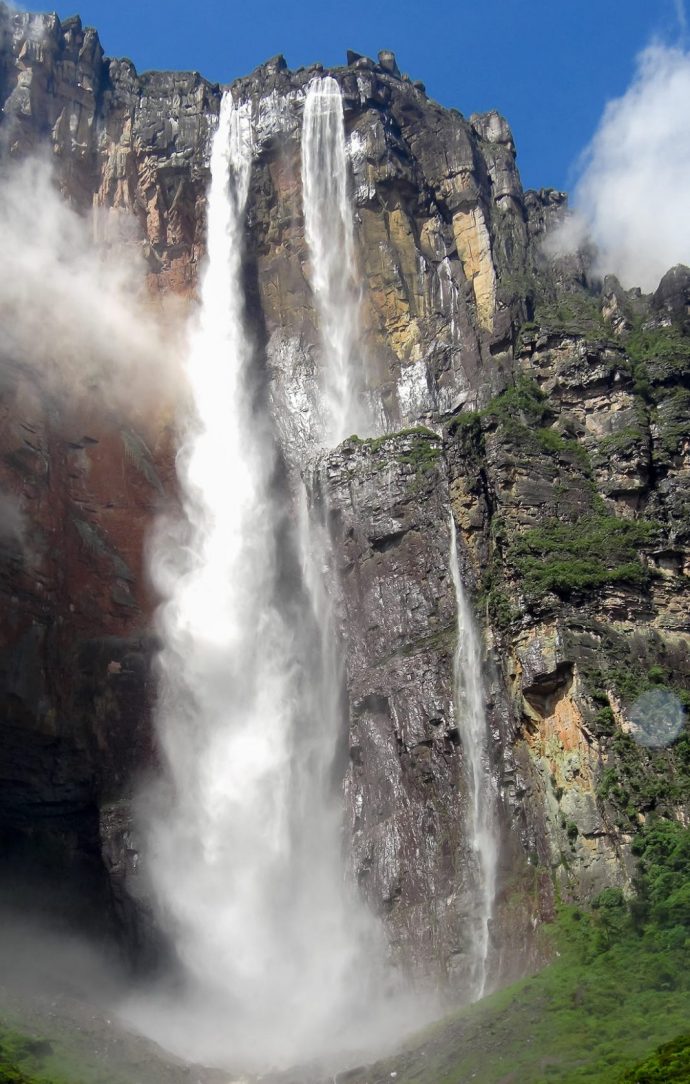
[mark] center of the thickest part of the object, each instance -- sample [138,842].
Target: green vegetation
[604,724]
[659,361]
[500,609]
[494,598]
[659,354]
[24,1060]
[77,1052]
[577,555]
[423,452]
[670,1064]
[592,552]
[374,444]
[527,333]
[625,667]
[671,416]
[466,428]
[516,284]
[551,441]
[423,455]
[619,987]
[660,911]
[638,781]
[523,400]
[524,416]
[609,1009]
[623,441]
[520,409]
[566,448]
[575,314]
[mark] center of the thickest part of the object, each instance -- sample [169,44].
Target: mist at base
[205,1029]
[78,995]
[59,995]
[38,956]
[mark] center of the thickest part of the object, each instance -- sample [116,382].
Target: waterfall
[329,233]
[482,827]
[244,835]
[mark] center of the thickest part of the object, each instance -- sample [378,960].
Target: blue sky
[549,66]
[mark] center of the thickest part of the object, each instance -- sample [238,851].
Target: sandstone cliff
[549,414]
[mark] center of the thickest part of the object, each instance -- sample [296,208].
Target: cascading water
[329,234]
[244,839]
[482,823]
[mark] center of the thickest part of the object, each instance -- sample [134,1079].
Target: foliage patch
[423,449]
[594,551]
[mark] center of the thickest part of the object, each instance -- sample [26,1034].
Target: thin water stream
[481,821]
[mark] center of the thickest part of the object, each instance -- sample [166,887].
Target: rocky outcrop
[548,415]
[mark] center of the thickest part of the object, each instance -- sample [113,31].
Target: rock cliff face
[547,414]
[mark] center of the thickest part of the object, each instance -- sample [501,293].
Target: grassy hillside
[25,1060]
[619,988]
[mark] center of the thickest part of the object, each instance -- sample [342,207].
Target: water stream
[329,233]
[481,820]
[244,833]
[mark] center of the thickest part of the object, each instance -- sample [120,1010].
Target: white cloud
[633,195]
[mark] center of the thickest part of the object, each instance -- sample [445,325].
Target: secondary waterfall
[329,233]
[474,732]
[245,836]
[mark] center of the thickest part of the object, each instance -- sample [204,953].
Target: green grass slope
[619,988]
[668,1065]
[25,1060]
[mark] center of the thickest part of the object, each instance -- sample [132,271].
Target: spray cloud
[75,312]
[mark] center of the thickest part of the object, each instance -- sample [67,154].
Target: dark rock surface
[558,436]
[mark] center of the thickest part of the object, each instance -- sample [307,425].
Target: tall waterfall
[329,233]
[473,727]
[245,836]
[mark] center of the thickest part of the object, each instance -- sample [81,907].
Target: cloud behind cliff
[631,198]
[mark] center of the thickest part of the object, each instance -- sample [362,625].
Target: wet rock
[542,415]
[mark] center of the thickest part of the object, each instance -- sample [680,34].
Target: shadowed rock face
[557,434]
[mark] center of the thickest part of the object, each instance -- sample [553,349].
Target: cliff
[548,414]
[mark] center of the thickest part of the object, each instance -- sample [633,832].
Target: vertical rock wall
[508,391]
